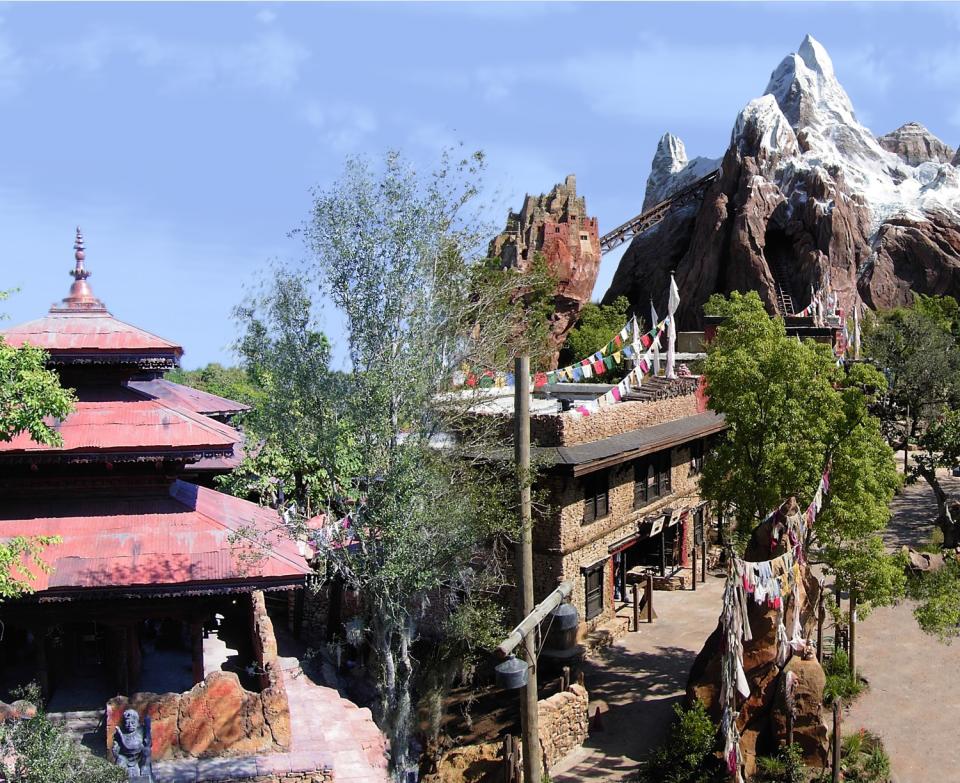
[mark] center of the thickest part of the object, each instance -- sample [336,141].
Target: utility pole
[529,723]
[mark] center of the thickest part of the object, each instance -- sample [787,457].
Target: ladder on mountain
[784,302]
[651,217]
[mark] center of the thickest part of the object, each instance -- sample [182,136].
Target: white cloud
[266,16]
[271,60]
[342,126]
[11,66]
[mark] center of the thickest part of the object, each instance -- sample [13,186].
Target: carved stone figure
[131,747]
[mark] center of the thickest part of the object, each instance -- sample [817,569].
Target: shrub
[37,751]
[864,759]
[687,755]
[840,684]
[785,767]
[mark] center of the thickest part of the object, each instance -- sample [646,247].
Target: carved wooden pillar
[196,648]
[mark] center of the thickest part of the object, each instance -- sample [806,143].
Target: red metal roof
[84,332]
[155,538]
[122,420]
[189,398]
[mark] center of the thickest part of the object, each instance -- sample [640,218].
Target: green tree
[231,383]
[790,412]
[30,398]
[596,326]
[919,354]
[400,255]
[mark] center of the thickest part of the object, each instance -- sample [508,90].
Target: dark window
[651,479]
[696,457]
[596,496]
[594,591]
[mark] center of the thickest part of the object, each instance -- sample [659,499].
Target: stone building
[617,491]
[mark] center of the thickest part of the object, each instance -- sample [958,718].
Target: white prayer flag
[673,302]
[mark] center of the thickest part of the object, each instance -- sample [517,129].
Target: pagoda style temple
[148,565]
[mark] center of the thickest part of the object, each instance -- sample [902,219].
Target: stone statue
[131,747]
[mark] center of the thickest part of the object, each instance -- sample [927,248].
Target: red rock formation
[557,226]
[762,718]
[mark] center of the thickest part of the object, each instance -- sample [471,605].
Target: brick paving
[323,722]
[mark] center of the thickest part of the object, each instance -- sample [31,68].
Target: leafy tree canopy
[791,411]
[596,326]
[233,383]
[31,398]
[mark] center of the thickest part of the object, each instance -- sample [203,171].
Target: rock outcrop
[806,196]
[557,226]
[914,144]
[762,717]
[671,171]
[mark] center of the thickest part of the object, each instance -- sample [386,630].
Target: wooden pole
[566,678]
[649,598]
[703,560]
[196,649]
[821,616]
[532,768]
[836,741]
[636,606]
[853,635]
[693,571]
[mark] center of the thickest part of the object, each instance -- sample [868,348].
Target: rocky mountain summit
[806,197]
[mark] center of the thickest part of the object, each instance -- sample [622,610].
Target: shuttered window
[651,479]
[596,496]
[594,591]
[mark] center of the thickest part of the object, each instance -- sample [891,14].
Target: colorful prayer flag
[577,374]
[540,379]
[598,367]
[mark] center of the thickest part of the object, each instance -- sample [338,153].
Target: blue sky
[185,138]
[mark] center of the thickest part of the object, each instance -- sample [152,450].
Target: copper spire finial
[79,273]
[80,296]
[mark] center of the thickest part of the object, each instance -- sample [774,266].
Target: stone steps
[78,723]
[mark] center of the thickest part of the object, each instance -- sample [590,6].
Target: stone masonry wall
[218,717]
[564,723]
[568,429]
[563,544]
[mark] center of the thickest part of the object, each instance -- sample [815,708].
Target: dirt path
[912,701]
[637,681]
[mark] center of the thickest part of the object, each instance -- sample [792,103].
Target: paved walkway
[636,682]
[323,722]
[912,700]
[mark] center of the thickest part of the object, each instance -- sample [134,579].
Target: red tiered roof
[114,420]
[186,397]
[86,331]
[154,541]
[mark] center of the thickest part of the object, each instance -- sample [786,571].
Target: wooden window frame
[652,478]
[593,597]
[596,501]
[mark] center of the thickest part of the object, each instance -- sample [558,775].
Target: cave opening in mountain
[781,261]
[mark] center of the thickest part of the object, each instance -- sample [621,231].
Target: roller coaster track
[647,220]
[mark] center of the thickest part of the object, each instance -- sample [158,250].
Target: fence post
[703,561]
[649,598]
[693,571]
[836,741]
[636,606]
[566,678]
[821,616]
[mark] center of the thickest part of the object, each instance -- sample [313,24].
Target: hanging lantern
[512,673]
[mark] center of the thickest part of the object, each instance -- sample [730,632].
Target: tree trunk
[853,635]
[945,520]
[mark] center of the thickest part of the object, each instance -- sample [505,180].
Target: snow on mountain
[671,171]
[819,110]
